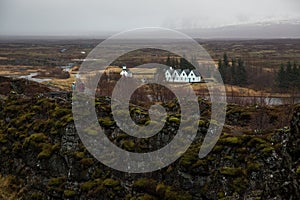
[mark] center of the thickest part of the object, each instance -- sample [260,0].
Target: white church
[182,76]
[126,72]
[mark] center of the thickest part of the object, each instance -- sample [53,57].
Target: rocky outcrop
[294,139]
[44,158]
[22,86]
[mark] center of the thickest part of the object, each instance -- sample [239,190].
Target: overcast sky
[65,17]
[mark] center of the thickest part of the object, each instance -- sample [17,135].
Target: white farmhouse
[169,75]
[182,76]
[176,75]
[194,76]
[126,72]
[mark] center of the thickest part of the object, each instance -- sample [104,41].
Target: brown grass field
[22,57]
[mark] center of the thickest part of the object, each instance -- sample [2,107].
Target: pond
[31,78]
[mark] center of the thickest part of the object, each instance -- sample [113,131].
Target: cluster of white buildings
[182,76]
[173,75]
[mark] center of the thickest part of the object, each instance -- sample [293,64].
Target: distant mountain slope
[280,29]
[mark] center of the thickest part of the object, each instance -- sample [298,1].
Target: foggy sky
[76,17]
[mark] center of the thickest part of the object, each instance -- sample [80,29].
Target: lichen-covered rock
[43,158]
[294,136]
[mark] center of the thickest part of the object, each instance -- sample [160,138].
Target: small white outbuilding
[126,72]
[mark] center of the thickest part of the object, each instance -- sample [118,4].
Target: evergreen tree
[225,60]
[222,70]
[173,62]
[289,73]
[233,72]
[168,62]
[297,69]
[184,64]
[281,77]
[294,79]
[226,68]
[176,63]
[241,73]
[289,76]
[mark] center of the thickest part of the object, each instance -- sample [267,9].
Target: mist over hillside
[260,30]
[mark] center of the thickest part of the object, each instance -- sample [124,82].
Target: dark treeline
[233,71]
[181,63]
[288,76]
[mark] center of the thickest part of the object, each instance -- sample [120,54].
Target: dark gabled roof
[187,71]
[196,72]
[178,71]
[171,71]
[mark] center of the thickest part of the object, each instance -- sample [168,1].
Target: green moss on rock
[298,170]
[3,139]
[106,122]
[240,184]
[230,140]
[56,181]
[267,150]
[254,166]
[46,151]
[35,140]
[128,145]
[87,162]
[143,184]
[17,147]
[201,123]
[174,120]
[69,193]
[86,186]
[91,131]
[111,182]
[232,171]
